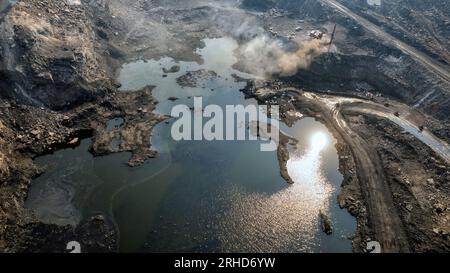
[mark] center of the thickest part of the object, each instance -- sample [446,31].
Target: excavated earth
[59,59]
[56,88]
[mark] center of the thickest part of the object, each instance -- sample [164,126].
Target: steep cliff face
[16,170]
[51,58]
[49,55]
[57,65]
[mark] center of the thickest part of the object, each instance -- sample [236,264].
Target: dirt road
[432,65]
[383,216]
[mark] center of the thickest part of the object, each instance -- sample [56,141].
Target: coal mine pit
[269,126]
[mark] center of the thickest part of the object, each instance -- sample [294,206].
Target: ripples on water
[285,221]
[203,196]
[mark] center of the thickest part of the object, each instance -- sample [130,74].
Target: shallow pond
[200,196]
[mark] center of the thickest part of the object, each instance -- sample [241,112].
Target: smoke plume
[265,57]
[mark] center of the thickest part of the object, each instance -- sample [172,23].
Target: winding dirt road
[384,219]
[383,216]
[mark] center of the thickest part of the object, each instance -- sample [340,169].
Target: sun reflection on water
[319,141]
[288,219]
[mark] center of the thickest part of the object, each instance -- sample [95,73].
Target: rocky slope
[56,87]
[48,44]
[423,24]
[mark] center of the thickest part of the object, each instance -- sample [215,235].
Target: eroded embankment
[57,66]
[380,187]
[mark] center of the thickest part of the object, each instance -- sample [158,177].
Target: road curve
[384,219]
[441,70]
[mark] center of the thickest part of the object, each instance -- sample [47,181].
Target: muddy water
[197,195]
[437,145]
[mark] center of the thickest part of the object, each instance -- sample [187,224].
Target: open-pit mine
[355,95]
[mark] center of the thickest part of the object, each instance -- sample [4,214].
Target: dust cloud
[264,57]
